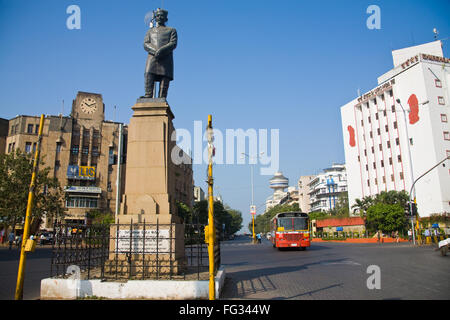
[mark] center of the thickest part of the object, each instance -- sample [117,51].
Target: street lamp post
[252,206]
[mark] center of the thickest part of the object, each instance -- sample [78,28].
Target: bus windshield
[293,223]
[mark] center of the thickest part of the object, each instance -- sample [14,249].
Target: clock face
[88,105]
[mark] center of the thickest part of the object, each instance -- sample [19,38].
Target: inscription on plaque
[137,242]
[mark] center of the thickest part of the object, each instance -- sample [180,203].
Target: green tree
[223,215]
[386,217]
[15,177]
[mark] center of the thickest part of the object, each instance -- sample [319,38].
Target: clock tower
[88,106]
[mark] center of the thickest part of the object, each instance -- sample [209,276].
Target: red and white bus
[291,230]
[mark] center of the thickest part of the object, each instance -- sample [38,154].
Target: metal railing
[131,251]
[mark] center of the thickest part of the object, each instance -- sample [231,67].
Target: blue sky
[285,64]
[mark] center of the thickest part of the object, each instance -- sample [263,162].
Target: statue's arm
[169,47]
[148,44]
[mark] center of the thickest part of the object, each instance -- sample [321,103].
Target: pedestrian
[19,241]
[396,236]
[378,235]
[11,239]
[42,238]
[258,236]
[409,235]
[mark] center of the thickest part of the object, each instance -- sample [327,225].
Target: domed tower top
[279,182]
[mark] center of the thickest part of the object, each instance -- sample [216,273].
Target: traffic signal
[407,209]
[411,206]
[414,208]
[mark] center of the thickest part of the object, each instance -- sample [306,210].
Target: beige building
[83,152]
[303,193]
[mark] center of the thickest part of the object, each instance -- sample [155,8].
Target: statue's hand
[157,54]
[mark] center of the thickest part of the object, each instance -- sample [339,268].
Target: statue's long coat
[165,39]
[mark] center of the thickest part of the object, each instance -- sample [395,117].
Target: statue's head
[161,16]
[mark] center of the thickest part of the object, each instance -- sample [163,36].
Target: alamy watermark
[229,147]
[374,20]
[374,280]
[74,20]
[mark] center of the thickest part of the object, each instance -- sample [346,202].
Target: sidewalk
[363,240]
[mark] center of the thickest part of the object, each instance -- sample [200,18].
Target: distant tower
[278,183]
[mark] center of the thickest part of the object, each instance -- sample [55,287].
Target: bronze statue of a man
[160,41]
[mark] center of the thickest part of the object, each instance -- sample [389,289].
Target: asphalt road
[325,271]
[37,268]
[329,270]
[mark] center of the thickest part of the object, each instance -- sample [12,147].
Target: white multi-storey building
[326,187]
[399,130]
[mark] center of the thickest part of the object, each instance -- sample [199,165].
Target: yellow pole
[26,231]
[211,229]
[253,228]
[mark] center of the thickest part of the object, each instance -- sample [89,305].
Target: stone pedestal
[149,185]
[149,175]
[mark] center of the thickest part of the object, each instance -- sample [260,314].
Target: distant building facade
[199,194]
[326,188]
[303,193]
[399,130]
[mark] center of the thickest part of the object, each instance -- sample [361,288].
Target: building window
[390,93]
[85,150]
[75,149]
[390,160]
[438,83]
[374,165]
[384,179]
[368,182]
[386,127]
[441,101]
[380,147]
[373,150]
[392,177]
[375,101]
[9,147]
[388,144]
[370,134]
[393,108]
[368,118]
[36,130]
[399,158]
[401,175]
[365,152]
[376,115]
[81,202]
[443,118]
[446,135]
[95,151]
[362,123]
[397,141]
[367,167]
[382,163]
[378,131]
[30,128]
[34,147]
[384,113]
[57,165]
[395,124]
[27,147]
[58,147]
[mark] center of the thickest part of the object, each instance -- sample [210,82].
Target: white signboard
[137,241]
